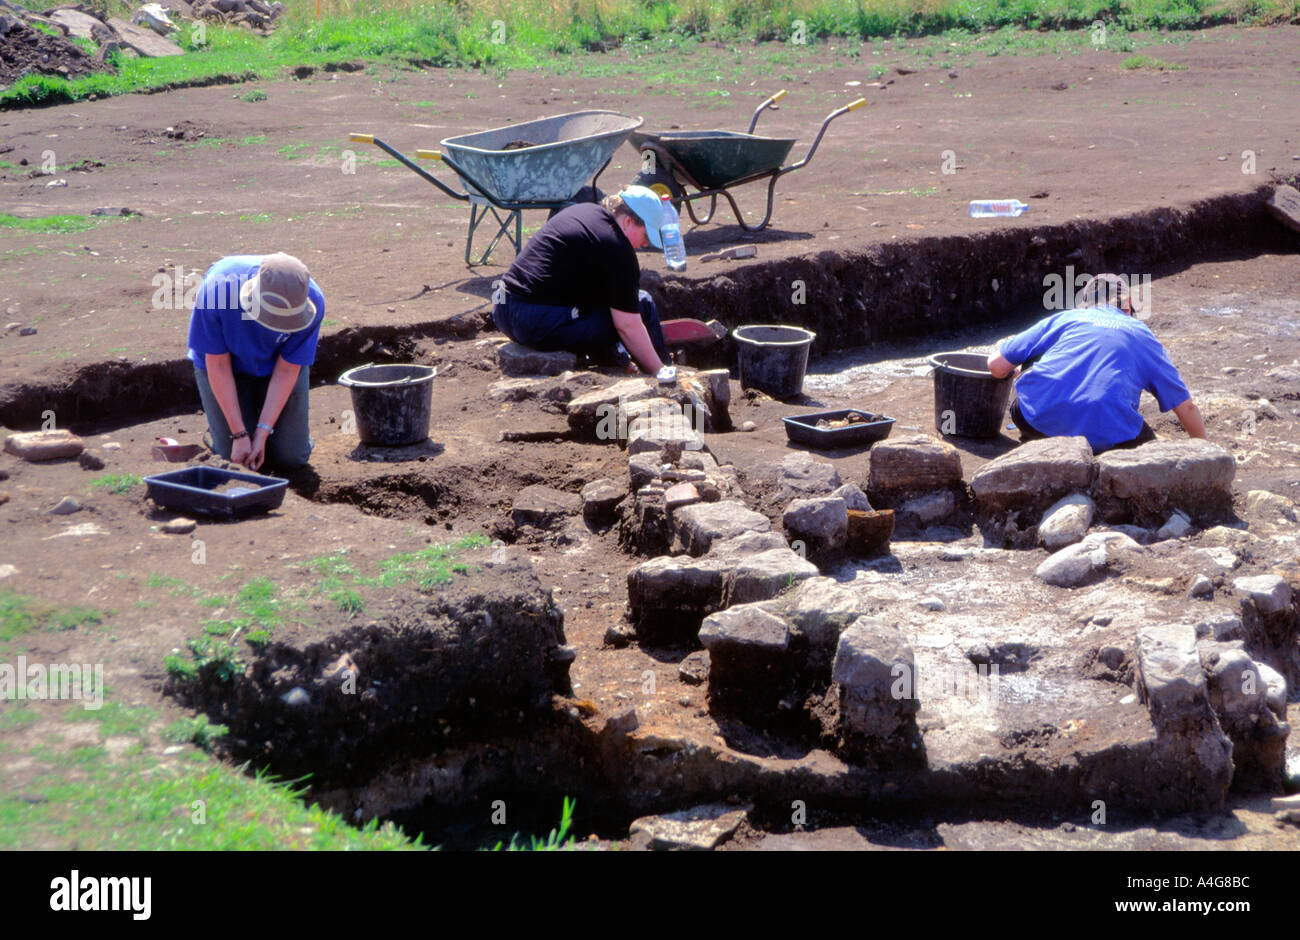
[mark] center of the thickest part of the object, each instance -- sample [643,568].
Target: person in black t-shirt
[576,284]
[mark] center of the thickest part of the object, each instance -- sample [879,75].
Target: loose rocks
[802,476]
[542,506]
[877,715]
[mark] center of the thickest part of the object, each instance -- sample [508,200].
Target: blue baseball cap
[644,203]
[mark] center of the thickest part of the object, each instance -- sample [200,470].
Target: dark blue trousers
[587,330]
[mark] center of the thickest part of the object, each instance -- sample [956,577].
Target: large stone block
[820,609]
[1066,522]
[1145,484]
[875,679]
[906,467]
[35,446]
[749,651]
[1170,679]
[605,406]
[802,476]
[696,527]
[662,431]
[766,574]
[518,360]
[542,506]
[1033,476]
[821,523]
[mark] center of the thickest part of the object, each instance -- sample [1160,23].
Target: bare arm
[222,379]
[1000,366]
[278,390]
[631,329]
[1189,416]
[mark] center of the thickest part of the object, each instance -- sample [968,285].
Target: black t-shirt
[580,258]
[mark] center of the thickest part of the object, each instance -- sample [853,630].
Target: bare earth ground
[375,238]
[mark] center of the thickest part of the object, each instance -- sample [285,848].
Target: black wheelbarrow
[540,164]
[714,162]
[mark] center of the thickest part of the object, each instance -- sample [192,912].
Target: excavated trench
[849,298]
[453,700]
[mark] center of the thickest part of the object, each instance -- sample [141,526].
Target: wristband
[266,427]
[235,437]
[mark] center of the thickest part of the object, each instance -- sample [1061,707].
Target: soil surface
[233,176]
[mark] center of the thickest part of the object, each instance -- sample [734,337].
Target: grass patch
[557,839]
[493,35]
[17,717]
[50,224]
[115,718]
[255,94]
[1150,62]
[348,601]
[197,730]
[119,483]
[20,614]
[201,805]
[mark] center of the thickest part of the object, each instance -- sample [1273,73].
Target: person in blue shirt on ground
[1089,368]
[252,339]
[576,285]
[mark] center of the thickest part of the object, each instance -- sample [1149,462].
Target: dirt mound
[25,49]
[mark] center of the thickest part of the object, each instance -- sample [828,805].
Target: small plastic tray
[802,429]
[190,489]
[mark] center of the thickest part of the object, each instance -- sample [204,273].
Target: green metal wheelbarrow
[540,164]
[713,162]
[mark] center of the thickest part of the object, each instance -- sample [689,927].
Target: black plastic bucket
[392,404]
[968,400]
[773,358]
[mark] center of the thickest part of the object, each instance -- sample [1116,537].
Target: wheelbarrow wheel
[661,181]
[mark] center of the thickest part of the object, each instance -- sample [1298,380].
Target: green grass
[200,805]
[20,614]
[17,717]
[255,94]
[557,840]
[197,730]
[50,224]
[119,483]
[115,719]
[1149,62]
[399,34]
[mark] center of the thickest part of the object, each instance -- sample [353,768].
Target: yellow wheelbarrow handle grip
[362,138]
[778,96]
[429,154]
[857,104]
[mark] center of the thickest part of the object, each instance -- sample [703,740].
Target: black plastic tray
[189,489]
[802,429]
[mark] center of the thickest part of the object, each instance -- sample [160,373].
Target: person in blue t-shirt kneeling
[252,339]
[1089,368]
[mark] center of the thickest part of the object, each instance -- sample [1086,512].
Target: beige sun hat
[276,297]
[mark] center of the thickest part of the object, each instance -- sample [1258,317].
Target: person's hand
[258,452]
[240,449]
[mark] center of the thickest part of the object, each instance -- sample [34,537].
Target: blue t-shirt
[218,324]
[1094,365]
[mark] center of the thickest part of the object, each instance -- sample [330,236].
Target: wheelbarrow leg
[690,210]
[767,217]
[477,213]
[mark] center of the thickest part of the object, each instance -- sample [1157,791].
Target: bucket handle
[347,382]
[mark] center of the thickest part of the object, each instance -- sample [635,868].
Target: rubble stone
[602,405]
[600,499]
[1269,593]
[932,508]
[1178,526]
[853,497]
[1066,522]
[662,432]
[1267,506]
[820,610]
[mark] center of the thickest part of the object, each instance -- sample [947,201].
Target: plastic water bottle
[994,208]
[670,233]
